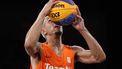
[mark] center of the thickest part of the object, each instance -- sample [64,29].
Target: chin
[58,33]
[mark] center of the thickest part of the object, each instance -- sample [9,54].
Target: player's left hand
[78,24]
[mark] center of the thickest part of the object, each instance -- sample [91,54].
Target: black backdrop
[16,17]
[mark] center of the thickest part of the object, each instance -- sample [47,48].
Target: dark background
[16,17]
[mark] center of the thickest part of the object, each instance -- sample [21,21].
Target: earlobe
[44,33]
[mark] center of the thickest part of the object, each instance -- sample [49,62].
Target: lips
[57,26]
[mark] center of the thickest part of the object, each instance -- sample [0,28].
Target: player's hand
[78,24]
[46,9]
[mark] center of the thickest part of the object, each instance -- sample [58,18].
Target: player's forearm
[34,32]
[93,45]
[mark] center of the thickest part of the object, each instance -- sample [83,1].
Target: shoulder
[67,46]
[74,47]
[77,48]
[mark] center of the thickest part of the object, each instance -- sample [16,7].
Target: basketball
[63,13]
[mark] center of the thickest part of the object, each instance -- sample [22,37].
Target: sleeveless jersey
[50,60]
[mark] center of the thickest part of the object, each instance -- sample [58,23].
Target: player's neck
[55,42]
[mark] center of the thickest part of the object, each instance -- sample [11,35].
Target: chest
[58,58]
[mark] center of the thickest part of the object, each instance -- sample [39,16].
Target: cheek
[49,28]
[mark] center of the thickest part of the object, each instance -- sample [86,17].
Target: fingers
[79,17]
[54,2]
[76,21]
[78,11]
[50,3]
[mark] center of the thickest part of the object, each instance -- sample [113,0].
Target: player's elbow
[28,44]
[101,58]
[28,48]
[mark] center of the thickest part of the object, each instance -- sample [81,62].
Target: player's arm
[32,37]
[86,56]
[95,53]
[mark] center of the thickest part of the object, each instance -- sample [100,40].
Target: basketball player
[53,54]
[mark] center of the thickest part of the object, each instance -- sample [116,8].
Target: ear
[44,33]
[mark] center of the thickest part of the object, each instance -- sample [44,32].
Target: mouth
[57,26]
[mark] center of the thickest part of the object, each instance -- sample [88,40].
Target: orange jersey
[49,59]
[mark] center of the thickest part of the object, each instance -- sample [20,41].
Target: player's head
[51,29]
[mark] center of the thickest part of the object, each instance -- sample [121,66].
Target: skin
[43,25]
